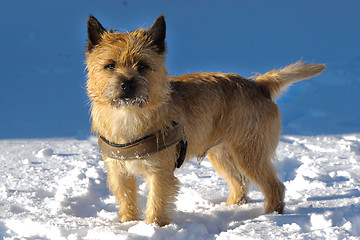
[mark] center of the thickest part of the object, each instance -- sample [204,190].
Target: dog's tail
[278,80]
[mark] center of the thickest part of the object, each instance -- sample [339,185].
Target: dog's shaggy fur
[232,120]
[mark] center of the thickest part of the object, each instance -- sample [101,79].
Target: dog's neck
[123,125]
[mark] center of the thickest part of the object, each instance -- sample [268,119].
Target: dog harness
[146,146]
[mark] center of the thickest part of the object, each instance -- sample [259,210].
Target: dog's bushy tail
[278,80]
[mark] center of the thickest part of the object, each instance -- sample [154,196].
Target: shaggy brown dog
[232,120]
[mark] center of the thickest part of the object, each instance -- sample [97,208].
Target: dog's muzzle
[130,92]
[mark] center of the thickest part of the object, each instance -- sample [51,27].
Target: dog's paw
[237,200]
[127,217]
[276,207]
[158,220]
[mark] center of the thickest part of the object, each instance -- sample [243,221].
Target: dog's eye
[110,66]
[142,66]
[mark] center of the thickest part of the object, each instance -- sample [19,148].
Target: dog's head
[127,70]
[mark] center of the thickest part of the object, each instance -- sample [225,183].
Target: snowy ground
[53,181]
[56,189]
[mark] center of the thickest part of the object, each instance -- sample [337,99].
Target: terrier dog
[149,122]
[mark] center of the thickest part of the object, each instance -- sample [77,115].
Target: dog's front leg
[163,188]
[124,188]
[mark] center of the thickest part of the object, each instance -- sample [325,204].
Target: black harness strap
[182,154]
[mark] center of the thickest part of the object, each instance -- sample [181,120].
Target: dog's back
[219,106]
[230,105]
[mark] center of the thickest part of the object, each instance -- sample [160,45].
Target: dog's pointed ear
[95,31]
[157,33]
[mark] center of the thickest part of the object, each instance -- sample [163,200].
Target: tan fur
[230,119]
[278,80]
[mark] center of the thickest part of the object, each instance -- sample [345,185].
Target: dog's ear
[95,31]
[157,33]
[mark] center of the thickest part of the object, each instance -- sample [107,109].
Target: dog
[149,123]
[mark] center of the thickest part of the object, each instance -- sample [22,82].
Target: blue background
[42,43]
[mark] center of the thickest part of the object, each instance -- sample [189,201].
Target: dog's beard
[120,98]
[130,102]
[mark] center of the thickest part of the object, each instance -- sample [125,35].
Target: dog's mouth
[127,93]
[130,102]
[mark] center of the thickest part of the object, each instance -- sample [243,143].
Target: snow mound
[46,152]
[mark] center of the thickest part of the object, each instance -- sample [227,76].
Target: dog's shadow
[210,217]
[218,219]
[197,224]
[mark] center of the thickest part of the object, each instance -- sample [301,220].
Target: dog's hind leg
[224,164]
[256,164]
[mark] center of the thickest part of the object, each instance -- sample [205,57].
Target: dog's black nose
[127,85]
[128,88]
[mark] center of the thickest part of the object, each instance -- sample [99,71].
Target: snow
[53,180]
[63,195]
